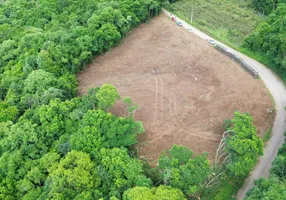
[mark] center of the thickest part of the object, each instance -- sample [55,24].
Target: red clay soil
[185,88]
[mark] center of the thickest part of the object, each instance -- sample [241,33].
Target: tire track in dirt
[161,99]
[173,110]
[156,101]
[160,93]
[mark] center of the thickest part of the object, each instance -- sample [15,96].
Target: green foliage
[73,177]
[238,153]
[226,191]
[119,172]
[180,169]
[39,89]
[269,39]
[107,95]
[243,146]
[279,166]
[271,189]
[43,44]
[159,193]
[22,136]
[100,129]
[264,6]
[130,106]
[275,186]
[8,113]
[226,124]
[52,145]
[75,132]
[267,135]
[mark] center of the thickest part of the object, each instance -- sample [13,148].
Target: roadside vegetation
[275,186]
[268,40]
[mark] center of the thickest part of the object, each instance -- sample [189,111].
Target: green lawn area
[227,20]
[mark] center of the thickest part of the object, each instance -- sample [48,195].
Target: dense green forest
[45,43]
[54,145]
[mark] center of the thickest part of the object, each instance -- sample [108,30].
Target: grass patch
[267,135]
[226,189]
[228,20]
[264,60]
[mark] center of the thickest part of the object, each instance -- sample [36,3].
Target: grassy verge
[262,58]
[212,33]
[226,189]
[267,135]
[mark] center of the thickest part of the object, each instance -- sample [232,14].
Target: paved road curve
[277,89]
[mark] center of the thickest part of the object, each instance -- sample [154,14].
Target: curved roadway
[277,90]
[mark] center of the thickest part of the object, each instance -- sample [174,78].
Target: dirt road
[277,89]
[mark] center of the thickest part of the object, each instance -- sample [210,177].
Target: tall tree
[159,193]
[241,146]
[73,177]
[106,96]
[179,168]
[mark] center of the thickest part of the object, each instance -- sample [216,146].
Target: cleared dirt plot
[185,88]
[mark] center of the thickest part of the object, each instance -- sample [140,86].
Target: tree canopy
[243,146]
[54,145]
[43,44]
[268,38]
[181,169]
[159,193]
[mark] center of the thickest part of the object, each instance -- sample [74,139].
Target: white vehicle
[211,41]
[190,30]
[179,23]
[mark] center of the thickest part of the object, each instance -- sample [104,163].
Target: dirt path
[185,88]
[277,89]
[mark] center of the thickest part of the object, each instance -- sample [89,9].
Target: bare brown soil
[185,88]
